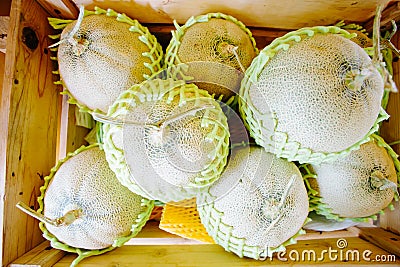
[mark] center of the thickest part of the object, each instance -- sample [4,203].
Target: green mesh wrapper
[154,54]
[316,201]
[224,237]
[361,37]
[257,207]
[147,207]
[208,67]
[263,124]
[139,156]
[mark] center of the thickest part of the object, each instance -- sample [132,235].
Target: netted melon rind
[275,141]
[171,57]
[316,202]
[223,236]
[147,207]
[231,220]
[157,89]
[364,41]
[172,60]
[155,53]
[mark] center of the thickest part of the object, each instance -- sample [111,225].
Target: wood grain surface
[29,115]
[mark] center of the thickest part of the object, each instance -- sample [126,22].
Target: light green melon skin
[262,127]
[317,202]
[143,217]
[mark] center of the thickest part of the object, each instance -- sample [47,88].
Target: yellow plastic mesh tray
[182,219]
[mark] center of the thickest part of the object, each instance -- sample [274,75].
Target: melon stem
[158,125]
[70,37]
[179,116]
[377,57]
[65,220]
[281,204]
[386,42]
[232,49]
[355,79]
[379,181]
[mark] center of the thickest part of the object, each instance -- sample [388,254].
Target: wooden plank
[41,256]
[263,36]
[151,234]
[28,118]
[2,64]
[256,31]
[390,131]
[60,8]
[392,12]
[4,25]
[383,239]
[214,255]
[285,14]
[310,235]
[391,219]
[71,137]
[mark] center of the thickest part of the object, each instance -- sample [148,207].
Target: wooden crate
[38,128]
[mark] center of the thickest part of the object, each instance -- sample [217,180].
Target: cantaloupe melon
[257,206]
[358,186]
[102,55]
[312,95]
[216,48]
[173,139]
[88,211]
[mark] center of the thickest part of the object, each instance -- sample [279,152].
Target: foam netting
[258,212]
[225,238]
[142,218]
[182,219]
[263,125]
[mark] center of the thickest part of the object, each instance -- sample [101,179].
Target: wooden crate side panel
[214,255]
[71,136]
[2,64]
[43,255]
[391,133]
[60,8]
[29,120]
[285,14]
